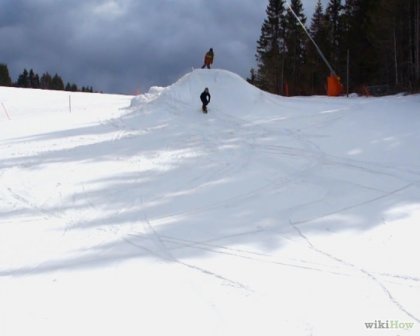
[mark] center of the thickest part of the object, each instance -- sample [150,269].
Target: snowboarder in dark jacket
[205,99]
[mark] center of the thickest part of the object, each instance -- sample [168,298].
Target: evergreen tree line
[376,40]
[30,79]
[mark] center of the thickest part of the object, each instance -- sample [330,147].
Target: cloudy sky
[126,46]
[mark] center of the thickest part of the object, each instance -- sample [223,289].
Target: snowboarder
[208,59]
[205,99]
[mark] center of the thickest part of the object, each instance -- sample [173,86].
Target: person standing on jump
[208,59]
[205,99]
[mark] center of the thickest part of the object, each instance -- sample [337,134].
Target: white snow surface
[267,216]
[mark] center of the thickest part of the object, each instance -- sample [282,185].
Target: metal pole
[312,40]
[348,71]
[395,58]
[70,103]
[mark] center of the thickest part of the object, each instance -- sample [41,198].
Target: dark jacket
[205,97]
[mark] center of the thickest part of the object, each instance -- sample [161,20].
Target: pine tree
[33,80]
[384,31]
[381,36]
[5,79]
[358,39]
[316,69]
[71,87]
[396,28]
[318,25]
[57,83]
[23,80]
[295,56]
[271,49]
[88,89]
[416,39]
[46,81]
[335,33]
[252,78]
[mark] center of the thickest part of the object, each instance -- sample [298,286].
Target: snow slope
[268,216]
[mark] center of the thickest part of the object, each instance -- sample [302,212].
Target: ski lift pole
[313,41]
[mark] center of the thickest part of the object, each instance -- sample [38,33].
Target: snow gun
[334,86]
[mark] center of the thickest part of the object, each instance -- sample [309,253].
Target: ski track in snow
[18,199]
[362,270]
[166,255]
[227,145]
[311,152]
[356,205]
[316,157]
[228,169]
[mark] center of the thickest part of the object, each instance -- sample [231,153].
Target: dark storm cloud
[128,45]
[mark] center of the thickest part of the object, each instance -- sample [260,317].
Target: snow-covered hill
[268,216]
